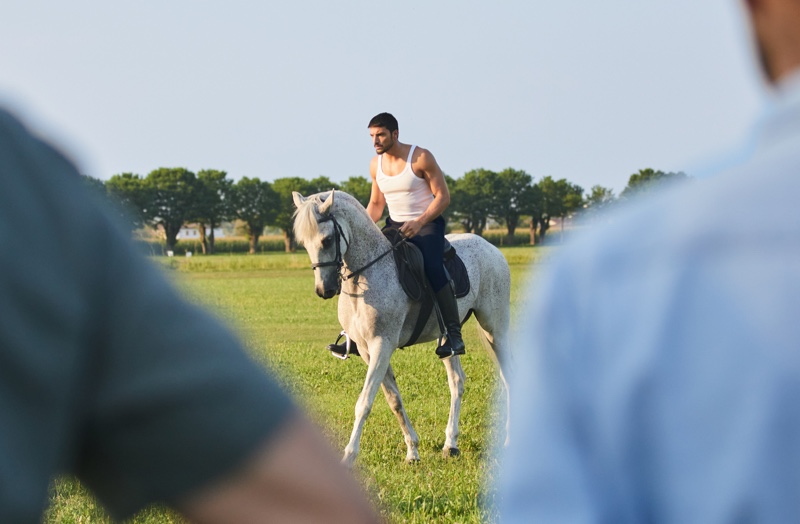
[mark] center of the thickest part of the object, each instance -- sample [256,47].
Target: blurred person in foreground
[107,374]
[659,379]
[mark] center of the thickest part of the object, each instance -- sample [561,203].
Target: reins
[338,261]
[357,271]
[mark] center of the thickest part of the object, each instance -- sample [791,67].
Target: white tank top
[407,195]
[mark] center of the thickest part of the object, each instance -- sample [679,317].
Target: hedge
[233,245]
[224,246]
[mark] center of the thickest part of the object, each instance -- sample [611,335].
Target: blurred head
[776,30]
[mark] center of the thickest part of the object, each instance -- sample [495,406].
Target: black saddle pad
[458,273]
[411,271]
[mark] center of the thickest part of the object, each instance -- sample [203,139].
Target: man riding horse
[408,180]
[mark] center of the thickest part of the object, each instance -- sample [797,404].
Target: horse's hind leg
[392,393]
[455,379]
[496,343]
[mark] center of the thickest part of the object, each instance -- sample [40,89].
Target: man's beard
[384,148]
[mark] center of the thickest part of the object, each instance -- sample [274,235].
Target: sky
[578,89]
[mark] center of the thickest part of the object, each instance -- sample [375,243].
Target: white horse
[375,312]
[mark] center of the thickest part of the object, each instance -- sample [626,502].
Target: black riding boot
[452,322]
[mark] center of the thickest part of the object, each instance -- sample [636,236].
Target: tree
[573,201]
[573,198]
[551,204]
[130,197]
[509,194]
[255,203]
[212,204]
[448,212]
[473,199]
[95,185]
[284,218]
[559,199]
[97,188]
[599,199]
[172,193]
[320,184]
[531,203]
[359,187]
[646,180]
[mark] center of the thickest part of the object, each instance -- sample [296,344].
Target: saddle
[411,271]
[411,275]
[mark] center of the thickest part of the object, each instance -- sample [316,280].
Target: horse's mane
[306,217]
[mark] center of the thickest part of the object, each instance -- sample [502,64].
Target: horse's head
[316,228]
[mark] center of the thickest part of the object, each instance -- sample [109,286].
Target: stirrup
[342,351]
[445,350]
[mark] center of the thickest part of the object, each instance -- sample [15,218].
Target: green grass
[269,300]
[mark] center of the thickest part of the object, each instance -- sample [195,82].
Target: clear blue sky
[578,89]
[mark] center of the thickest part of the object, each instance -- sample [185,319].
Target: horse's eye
[326,242]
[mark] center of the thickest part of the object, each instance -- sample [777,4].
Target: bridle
[338,235]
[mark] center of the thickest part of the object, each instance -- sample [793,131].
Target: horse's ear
[327,205]
[298,198]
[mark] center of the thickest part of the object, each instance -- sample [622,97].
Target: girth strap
[428,303]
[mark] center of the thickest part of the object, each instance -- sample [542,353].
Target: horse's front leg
[455,379]
[392,394]
[378,364]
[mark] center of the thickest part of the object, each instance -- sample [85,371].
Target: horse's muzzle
[328,293]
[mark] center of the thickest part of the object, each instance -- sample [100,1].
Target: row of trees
[168,198]
[511,196]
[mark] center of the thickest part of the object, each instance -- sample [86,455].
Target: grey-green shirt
[104,371]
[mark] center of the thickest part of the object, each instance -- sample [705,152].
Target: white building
[192,232]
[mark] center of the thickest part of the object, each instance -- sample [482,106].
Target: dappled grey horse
[345,247]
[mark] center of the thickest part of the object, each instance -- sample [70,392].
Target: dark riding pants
[429,240]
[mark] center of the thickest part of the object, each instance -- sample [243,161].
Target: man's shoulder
[422,159]
[420,151]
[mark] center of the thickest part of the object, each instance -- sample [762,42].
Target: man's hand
[410,228]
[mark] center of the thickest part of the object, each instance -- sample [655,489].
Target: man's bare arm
[377,202]
[427,166]
[294,477]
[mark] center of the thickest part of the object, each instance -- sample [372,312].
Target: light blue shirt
[658,373]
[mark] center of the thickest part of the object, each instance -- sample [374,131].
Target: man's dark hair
[384,120]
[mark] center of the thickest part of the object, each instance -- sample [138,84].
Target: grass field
[269,300]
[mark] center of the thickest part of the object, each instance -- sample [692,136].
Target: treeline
[169,198]
[513,199]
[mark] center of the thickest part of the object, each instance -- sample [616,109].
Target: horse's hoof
[450,452]
[412,461]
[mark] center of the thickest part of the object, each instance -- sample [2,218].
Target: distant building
[192,232]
